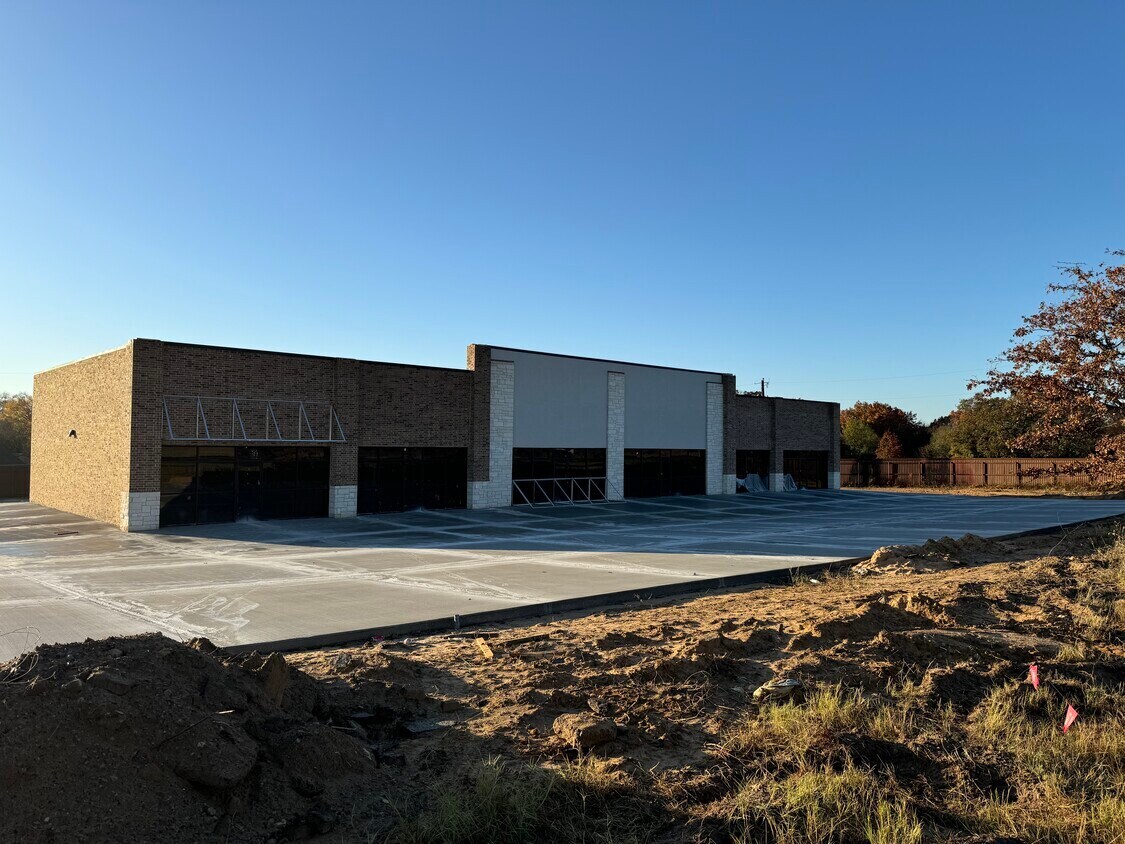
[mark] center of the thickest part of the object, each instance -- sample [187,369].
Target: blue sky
[852,200]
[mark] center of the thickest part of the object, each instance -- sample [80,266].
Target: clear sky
[852,200]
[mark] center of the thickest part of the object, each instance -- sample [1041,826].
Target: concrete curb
[622,598]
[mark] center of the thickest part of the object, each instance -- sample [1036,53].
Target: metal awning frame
[238,433]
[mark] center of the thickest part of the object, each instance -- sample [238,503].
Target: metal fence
[15,481]
[976,471]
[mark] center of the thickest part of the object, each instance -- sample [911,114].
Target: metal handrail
[568,490]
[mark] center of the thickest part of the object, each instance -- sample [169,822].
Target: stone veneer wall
[717,480]
[615,436]
[343,501]
[497,490]
[87,474]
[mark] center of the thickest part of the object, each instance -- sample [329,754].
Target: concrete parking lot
[63,578]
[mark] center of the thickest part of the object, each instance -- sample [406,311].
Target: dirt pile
[637,724]
[934,555]
[146,739]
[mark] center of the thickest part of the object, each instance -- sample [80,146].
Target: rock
[114,653]
[110,682]
[271,671]
[450,705]
[74,687]
[274,676]
[212,755]
[36,687]
[584,731]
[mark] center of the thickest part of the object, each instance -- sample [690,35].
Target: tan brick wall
[89,473]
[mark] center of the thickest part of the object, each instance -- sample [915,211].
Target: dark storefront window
[651,472]
[541,463]
[752,462]
[809,469]
[562,474]
[392,479]
[204,484]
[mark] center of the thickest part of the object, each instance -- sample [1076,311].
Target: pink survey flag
[1033,676]
[1071,717]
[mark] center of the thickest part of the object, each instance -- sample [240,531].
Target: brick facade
[115,403]
[88,473]
[478,360]
[781,425]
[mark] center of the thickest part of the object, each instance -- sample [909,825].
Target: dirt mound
[148,739]
[872,618]
[948,647]
[933,555]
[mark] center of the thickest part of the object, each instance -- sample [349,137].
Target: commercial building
[158,433]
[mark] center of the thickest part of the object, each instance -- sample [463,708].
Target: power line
[886,377]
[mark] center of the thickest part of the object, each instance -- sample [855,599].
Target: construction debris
[778,690]
[484,648]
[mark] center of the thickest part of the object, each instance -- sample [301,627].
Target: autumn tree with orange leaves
[1066,365]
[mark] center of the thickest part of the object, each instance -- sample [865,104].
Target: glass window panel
[177,510]
[522,463]
[216,476]
[176,477]
[217,453]
[595,462]
[178,452]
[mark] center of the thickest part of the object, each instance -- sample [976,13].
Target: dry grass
[956,750]
[820,806]
[508,802]
[1067,787]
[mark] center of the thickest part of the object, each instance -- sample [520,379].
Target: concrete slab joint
[343,501]
[715,483]
[140,511]
[497,490]
[615,436]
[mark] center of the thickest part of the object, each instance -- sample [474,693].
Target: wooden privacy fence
[15,481]
[975,471]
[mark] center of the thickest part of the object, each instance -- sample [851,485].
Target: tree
[941,442]
[858,438]
[1067,365]
[988,427]
[884,417]
[15,423]
[889,447]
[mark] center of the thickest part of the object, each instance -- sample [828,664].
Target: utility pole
[763,386]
